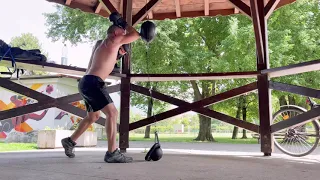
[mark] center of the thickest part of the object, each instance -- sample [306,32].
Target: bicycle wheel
[299,140]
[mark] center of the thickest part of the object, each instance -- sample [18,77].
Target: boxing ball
[155,153]
[148,31]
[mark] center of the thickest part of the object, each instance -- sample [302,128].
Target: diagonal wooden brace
[269,8]
[144,11]
[185,106]
[295,89]
[300,119]
[245,9]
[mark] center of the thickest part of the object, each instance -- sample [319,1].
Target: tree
[27,41]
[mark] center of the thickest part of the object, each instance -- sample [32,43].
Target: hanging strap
[156,138]
[12,61]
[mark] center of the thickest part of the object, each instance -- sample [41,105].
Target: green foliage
[206,45]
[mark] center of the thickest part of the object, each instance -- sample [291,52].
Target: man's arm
[131,36]
[92,53]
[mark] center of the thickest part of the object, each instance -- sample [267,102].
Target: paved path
[89,165]
[202,146]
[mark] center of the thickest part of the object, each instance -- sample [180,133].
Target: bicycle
[304,138]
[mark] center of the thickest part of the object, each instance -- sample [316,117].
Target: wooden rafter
[150,14]
[108,6]
[68,2]
[206,7]
[98,8]
[245,9]
[144,11]
[272,4]
[178,11]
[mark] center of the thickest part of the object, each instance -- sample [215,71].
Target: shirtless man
[93,89]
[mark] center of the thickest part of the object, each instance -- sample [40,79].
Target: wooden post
[125,87]
[260,29]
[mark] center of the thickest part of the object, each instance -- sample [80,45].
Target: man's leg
[111,113]
[69,143]
[84,124]
[113,155]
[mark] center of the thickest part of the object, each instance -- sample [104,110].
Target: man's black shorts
[94,93]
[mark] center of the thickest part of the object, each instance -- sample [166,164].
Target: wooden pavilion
[136,11]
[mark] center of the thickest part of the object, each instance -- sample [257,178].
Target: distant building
[64,55]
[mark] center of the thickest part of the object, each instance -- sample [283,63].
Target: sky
[21,16]
[27,17]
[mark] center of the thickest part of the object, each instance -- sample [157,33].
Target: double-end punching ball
[155,152]
[148,31]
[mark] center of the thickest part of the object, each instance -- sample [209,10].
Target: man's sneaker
[68,146]
[117,157]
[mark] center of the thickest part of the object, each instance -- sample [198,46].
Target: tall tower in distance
[64,55]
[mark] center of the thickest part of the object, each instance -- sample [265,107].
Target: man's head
[115,31]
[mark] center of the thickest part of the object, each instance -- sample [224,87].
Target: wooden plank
[125,87]
[188,77]
[68,2]
[15,87]
[295,89]
[144,11]
[298,120]
[293,69]
[108,6]
[245,9]
[178,10]
[204,111]
[10,113]
[204,102]
[190,14]
[206,7]
[270,7]
[98,8]
[52,67]
[80,6]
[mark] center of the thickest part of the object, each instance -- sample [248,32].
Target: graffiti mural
[38,120]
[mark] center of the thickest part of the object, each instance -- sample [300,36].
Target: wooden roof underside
[162,9]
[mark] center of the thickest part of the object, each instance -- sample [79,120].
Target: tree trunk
[149,114]
[205,132]
[244,116]
[235,128]
[282,100]
[292,100]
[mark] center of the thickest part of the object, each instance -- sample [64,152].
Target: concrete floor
[175,165]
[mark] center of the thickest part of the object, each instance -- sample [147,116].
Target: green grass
[219,138]
[190,138]
[17,146]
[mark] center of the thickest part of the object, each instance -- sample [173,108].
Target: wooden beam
[108,6]
[150,14]
[15,87]
[144,11]
[202,103]
[272,4]
[52,67]
[204,111]
[178,11]
[121,7]
[98,8]
[68,2]
[293,69]
[245,9]
[188,77]
[236,11]
[80,6]
[125,87]
[298,120]
[295,89]
[206,7]
[7,114]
